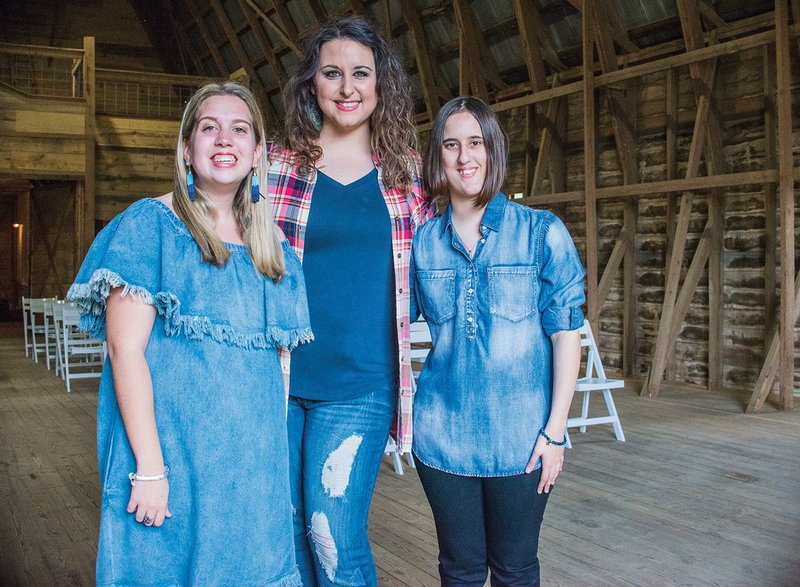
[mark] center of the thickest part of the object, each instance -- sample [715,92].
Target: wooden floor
[700,494]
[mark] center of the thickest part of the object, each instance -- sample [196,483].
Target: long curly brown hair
[393,137]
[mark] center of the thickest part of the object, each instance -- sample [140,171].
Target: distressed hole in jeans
[337,467]
[324,545]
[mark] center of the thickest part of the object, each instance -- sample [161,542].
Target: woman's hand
[149,502]
[552,457]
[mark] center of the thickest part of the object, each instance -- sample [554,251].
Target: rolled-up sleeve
[561,274]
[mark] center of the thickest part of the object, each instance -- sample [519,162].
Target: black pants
[486,522]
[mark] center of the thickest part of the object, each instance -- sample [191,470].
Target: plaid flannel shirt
[290,194]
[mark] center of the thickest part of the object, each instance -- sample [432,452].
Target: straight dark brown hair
[494,139]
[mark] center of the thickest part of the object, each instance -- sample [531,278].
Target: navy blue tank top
[347,262]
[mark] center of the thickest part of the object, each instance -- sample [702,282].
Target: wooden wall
[135,159]
[748,308]
[41,138]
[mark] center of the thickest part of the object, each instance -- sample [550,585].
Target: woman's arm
[566,362]
[129,322]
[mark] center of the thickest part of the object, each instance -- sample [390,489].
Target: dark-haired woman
[501,287]
[346,192]
[193,291]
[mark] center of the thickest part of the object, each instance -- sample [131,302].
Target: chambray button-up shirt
[486,387]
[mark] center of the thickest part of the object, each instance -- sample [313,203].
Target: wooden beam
[244,60]
[527,14]
[709,15]
[786,314]
[671,148]
[469,71]
[772,361]
[282,34]
[646,190]
[419,41]
[623,116]
[209,42]
[663,341]
[702,79]
[85,212]
[590,167]
[633,71]
[693,37]
[482,66]
[266,45]
[770,196]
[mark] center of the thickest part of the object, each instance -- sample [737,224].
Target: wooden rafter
[209,42]
[288,23]
[709,15]
[477,65]
[422,53]
[233,39]
[550,156]
[183,40]
[266,46]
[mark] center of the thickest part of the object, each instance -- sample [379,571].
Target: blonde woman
[194,291]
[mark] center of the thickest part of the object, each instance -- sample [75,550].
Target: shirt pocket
[513,291]
[438,294]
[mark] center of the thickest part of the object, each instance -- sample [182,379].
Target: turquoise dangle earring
[190,183]
[254,192]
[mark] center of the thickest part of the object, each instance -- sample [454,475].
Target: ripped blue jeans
[335,451]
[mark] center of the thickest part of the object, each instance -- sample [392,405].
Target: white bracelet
[134,477]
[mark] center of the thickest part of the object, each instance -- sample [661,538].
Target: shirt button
[402,324]
[401,290]
[469,319]
[483,240]
[399,255]
[470,291]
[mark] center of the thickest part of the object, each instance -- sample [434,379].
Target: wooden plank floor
[699,495]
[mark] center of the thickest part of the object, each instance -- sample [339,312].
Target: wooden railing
[42,71]
[144,95]
[59,73]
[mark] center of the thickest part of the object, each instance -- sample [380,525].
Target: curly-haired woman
[346,191]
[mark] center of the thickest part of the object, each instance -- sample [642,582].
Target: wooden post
[786,196]
[84,207]
[770,196]
[671,147]
[590,165]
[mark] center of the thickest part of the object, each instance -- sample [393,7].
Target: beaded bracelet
[134,477]
[550,440]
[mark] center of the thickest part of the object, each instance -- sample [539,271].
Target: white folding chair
[595,380]
[80,351]
[421,346]
[49,330]
[37,327]
[58,323]
[26,323]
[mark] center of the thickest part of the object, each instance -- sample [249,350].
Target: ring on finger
[147,520]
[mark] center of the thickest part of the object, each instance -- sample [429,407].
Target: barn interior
[660,131]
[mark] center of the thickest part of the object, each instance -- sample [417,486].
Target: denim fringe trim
[91,300]
[197,327]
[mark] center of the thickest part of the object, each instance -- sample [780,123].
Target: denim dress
[219,403]
[486,387]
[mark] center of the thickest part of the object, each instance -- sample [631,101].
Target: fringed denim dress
[219,405]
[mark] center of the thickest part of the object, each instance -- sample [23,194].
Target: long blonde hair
[262,237]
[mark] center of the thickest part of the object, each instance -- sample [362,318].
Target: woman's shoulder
[146,217]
